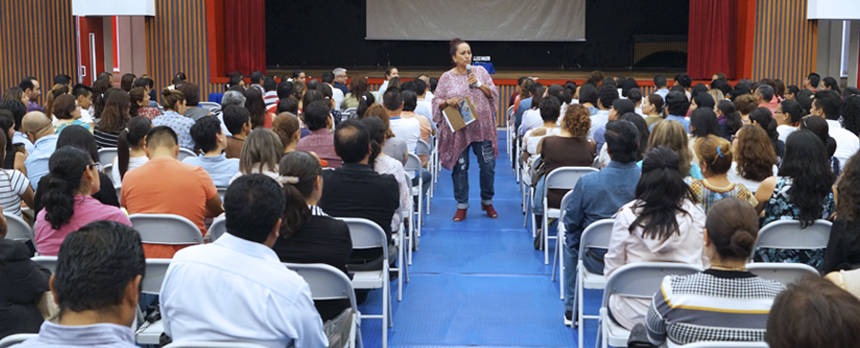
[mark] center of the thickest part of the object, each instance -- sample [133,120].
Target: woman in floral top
[715,160]
[140,104]
[803,191]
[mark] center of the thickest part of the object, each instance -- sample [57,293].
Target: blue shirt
[220,168]
[96,335]
[21,138]
[37,161]
[681,119]
[525,104]
[180,124]
[662,92]
[599,195]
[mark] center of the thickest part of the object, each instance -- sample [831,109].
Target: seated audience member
[84,97]
[410,101]
[113,119]
[283,91]
[355,190]
[843,248]
[408,129]
[663,224]
[67,113]
[606,97]
[256,106]
[754,158]
[530,88]
[40,132]
[569,149]
[140,104]
[320,140]
[211,142]
[821,128]
[394,146]
[803,191]
[677,106]
[827,105]
[384,164]
[307,234]
[765,97]
[672,135]
[337,94]
[326,92]
[286,126]
[131,152]
[702,100]
[652,108]
[340,80]
[24,283]
[661,85]
[619,107]
[81,138]
[357,87]
[787,116]
[192,100]
[728,118]
[851,110]
[813,312]
[189,193]
[15,155]
[531,117]
[730,234]
[423,104]
[261,154]
[18,111]
[272,305]
[238,122]
[715,159]
[702,123]
[173,117]
[66,199]
[534,137]
[97,283]
[762,117]
[597,195]
[231,97]
[14,187]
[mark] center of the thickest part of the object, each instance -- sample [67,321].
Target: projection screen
[477,20]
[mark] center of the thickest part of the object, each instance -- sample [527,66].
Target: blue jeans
[537,201]
[460,174]
[571,258]
[427,177]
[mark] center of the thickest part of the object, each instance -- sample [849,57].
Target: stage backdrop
[479,20]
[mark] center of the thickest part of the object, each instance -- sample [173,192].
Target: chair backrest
[155,271]
[18,229]
[413,163]
[642,279]
[785,273]
[715,344]
[166,229]
[366,234]
[787,234]
[221,192]
[106,156]
[566,177]
[49,262]
[422,148]
[183,152]
[596,235]
[326,282]
[212,344]
[211,106]
[218,227]
[15,339]
[509,113]
[350,113]
[564,202]
[118,188]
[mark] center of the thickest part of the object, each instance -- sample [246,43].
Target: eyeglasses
[97,165]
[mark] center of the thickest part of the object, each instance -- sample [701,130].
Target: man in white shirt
[408,129]
[429,93]
[827,104]
[84,97]
[236,289]
[606,95]
[336,93]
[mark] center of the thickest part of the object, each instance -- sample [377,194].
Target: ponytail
[67,165]
[122,152]
[129,138]
[299,171]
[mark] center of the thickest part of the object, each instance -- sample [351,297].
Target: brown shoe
[460,215]
[491,212]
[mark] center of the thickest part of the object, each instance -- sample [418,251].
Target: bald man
[39,130]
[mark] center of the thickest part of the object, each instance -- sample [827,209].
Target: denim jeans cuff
[486,201]
[462,205]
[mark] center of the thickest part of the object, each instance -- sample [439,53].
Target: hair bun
[742,242]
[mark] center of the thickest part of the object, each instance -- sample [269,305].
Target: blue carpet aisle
[478,282]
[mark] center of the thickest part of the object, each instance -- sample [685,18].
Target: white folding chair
[49,262]
[423,149]
[367,234]
[221,192]
[595,235]
[560,178]
[149,333]
[118,188]
[787,234]
[12,340]
[639,280]
[212,344]
[329,283]
[413,164]
[724,344]
[438,166]
[509,132]
[218,227]
[785,273]
[106,156]
[183,152]
[349,113]
[211,106]
[558,256]
[18,229]
[166,229]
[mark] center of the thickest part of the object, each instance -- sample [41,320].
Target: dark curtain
[245,35]
[712,39]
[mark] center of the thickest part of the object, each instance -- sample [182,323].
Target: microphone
[469,72]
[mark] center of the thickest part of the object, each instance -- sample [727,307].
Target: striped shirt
[13,184]
[711,306]
[105,139]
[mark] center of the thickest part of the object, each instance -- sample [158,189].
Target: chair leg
[420,199]
[579,294]
[560,248]
[411,242]
[400,267]
[545,232]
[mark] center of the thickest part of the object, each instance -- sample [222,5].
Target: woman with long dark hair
[131,152]
[703,122]
[384,164]
[357,88]
[663,223]
[728,117]
[481,135]
[113,119]
[843,248]
[14,187]
[803,191]
[308,235]
[763,118]
[73,177]
[820,127]
[755,159]
[256,105]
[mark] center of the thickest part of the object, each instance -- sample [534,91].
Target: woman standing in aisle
[480,136]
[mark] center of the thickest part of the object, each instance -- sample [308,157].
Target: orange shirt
[168,186]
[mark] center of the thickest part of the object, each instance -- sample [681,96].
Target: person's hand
[453,102]
[473,79]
